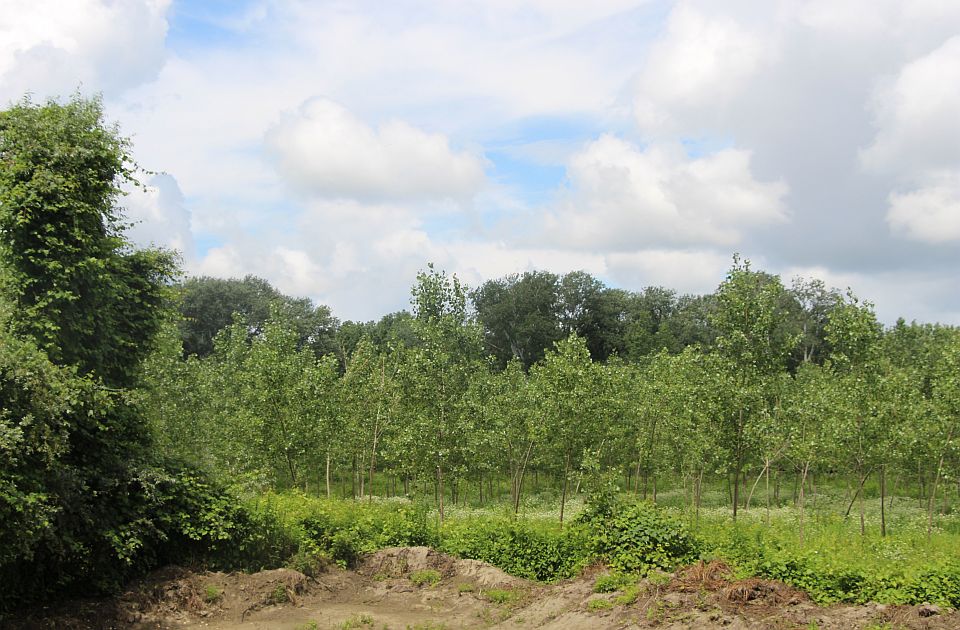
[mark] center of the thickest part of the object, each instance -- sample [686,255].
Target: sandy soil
[380,594]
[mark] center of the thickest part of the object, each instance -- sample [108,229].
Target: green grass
[362,620]
[502,595]
[426,577]
[596,605]
[211,594]
[833,562]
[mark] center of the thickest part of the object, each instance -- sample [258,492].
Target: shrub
[638,537]
[530,549]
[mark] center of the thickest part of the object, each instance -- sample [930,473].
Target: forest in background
[147,420]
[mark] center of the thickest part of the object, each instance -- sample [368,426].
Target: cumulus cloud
[329,152]
[930,214]
[622,197]
[49,47]
[917,115]
[685,271]
[695,69]
[159,216]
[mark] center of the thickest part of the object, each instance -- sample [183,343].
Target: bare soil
[450,593]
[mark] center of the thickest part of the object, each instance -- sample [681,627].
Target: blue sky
[337,147]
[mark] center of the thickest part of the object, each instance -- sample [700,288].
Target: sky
[336,147]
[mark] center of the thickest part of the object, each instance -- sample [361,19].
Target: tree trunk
[566,475]
[883,501]
[328,474]
[440,492]
[806,466]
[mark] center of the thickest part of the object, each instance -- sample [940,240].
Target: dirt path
[418,588]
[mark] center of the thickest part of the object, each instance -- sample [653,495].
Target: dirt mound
[400,562]
[411,587]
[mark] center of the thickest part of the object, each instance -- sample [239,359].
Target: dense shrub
[344,530]
[525,548]
[637,537]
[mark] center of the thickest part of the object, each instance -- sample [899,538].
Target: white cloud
[159,216]
[622,197]
[51,47]
[329,152]
[685,271]
[931,213]
[694,69]
[917,115]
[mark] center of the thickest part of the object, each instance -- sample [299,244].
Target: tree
[209,304]
[520,316]
[567,389]
[751,337]
[79,311]
[436,374]
[80,290]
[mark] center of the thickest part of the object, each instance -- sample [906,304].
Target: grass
[212,594]
[832,561]
[426,577]
[361,620]
[596,605]
[611,582]
[502,596]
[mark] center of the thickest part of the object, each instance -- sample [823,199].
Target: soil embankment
[419,588]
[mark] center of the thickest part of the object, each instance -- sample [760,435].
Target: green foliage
[502,595]
[596,605]
[536,550]
[835,564]
[208,305]
[639,537]
[343,531]
[212,594]
[360,620]
[426,577]
[80,291]
[611,582]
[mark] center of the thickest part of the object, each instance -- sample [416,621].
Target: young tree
[566,384]
[751,336]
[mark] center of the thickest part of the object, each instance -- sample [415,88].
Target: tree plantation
[147,419]
[765,409]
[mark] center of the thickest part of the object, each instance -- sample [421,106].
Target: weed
[596,605]
[502,596]
[465,587]
[628,596]
[212,594]
[356,621]
[426,577]
[610,582]
[310,625]
[279,595]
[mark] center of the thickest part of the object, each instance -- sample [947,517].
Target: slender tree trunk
[883,501]
[699,494]
[936,481]
[328,474]
[767,493]
[440,492]
[806,466]
[766,467]
[856,494]
[566,475]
